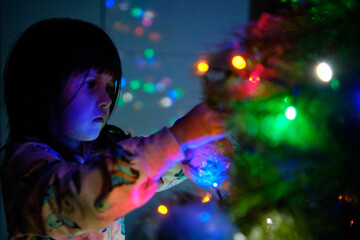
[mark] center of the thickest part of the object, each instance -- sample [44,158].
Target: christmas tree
[290,82]
[289,85]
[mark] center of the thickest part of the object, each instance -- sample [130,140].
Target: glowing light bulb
[127,97]
[139,31]
[238,62]
[206,198]
[135,84]
[146,22]
[215,185]
[165,102]
[137,12]
[335,84]
[166,81]
[149,14]
[109,3]
[149,53]
[162,209]
[324,72]
[149,87]
[239,236]
[175,93]
[203,67]
[123,82]
[254,77]
[290,113]
[205,217]
[138,105]
[154,36]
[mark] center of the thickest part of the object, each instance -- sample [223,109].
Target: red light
[254,77]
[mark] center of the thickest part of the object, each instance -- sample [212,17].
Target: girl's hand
[198,127]
[208,165]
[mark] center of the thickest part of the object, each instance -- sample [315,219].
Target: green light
[135,84]
[120,102]
[149,88]
[136,12]
[290,113]
[149,53]
[287,99]
[179,93]
[335,84]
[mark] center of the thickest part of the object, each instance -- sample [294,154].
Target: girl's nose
[104,100]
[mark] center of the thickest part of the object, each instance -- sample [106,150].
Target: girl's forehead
[78,78]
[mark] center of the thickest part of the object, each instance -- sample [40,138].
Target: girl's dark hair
[39,65]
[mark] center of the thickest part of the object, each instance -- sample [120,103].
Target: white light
[290,113]
[239,236]
[269,221]
[324,72]
[160,86]
[165,102]
[127,97]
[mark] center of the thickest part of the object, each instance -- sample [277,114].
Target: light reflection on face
[85,106]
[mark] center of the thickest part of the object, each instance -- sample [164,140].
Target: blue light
[109,3]
[172,94]
[123,82]
[211,174]
[151,61]
[296,91]
[205,216]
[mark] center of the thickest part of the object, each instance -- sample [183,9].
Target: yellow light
[206,198]
[254,77]
[162,209]
[238,62]
[203,67]
[324,72]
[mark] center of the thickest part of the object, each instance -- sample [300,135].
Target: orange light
[254,77]
[162,209]
[203,67]
[238,62]
[206,198]
[340,197]
[139,31]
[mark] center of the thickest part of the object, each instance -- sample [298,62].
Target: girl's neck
[70,143]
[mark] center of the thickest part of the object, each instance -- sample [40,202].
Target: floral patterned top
[47,197]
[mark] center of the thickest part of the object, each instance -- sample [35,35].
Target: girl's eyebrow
[91,76]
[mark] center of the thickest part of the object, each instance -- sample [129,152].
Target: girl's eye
[90,85]
[110,89]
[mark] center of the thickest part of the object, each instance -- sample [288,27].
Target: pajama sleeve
[48,196]
[171,178]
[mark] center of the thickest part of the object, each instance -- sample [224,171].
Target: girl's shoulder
[30,151]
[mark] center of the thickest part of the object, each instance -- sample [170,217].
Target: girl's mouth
[99,119]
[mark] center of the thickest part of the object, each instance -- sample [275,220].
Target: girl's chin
[90,136]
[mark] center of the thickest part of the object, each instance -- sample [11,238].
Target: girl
[67,173]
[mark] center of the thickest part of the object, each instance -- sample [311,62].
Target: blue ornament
[208,166]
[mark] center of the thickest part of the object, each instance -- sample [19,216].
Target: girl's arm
[49,196]
[46,195]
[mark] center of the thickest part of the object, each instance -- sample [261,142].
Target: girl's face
[85,105]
